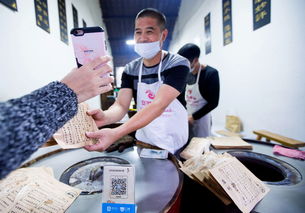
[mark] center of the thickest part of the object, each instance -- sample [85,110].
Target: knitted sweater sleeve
[29,121]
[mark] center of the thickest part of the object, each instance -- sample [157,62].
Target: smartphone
[88,43]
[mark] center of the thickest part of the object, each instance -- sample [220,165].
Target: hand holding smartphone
[88,44]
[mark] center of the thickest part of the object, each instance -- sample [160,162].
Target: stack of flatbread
[227,178]
[232,142]
[196,147]
[197,168]
[35,190]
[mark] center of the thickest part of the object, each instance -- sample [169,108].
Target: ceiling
[119,17]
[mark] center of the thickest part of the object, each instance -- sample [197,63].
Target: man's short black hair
[189,51]
[153,13]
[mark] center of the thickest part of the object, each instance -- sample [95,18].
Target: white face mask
[147,50]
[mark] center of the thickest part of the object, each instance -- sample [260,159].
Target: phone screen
[88,43]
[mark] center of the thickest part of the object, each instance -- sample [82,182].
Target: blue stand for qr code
[118,208]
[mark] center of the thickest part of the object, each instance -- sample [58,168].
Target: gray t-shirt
[174,71]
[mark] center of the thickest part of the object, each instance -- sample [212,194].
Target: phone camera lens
[79,32]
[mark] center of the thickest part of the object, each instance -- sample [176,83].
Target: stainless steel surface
[281,198]
[156,180]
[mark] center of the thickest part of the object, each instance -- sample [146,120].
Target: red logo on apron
[150,94]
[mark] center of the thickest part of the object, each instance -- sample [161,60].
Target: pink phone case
[89,45]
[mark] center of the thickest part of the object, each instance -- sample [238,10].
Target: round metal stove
[87,175]
[284,176]
[157,186]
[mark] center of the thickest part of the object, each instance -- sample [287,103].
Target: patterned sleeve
[27,122]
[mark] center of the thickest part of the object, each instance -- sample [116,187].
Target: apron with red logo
[169,131]
[194,102]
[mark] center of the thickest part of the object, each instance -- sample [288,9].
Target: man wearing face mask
[202,92]
[155,81]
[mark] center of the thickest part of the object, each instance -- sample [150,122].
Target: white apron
[169,131]
[194,102]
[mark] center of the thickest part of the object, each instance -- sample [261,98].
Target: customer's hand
[87,81]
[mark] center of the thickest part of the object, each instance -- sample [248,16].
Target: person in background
[156,81]
[202,92]
[29,121]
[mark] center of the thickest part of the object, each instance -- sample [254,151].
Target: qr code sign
[118,187]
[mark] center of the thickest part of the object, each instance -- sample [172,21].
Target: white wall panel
[262,72]
[31,57]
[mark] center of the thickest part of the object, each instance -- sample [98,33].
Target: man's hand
[191,119]
[121,146]
[105,137]
[99,117]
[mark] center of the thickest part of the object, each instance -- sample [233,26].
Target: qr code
[119,187]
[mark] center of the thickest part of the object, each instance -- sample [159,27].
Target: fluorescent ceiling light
[130,42]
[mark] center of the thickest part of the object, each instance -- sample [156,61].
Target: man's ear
[164,34]
[195,61]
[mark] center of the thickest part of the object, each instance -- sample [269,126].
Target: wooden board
[278,138]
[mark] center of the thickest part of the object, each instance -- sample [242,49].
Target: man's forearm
[204,110]
[165,95]
[115,113]
[141,118]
